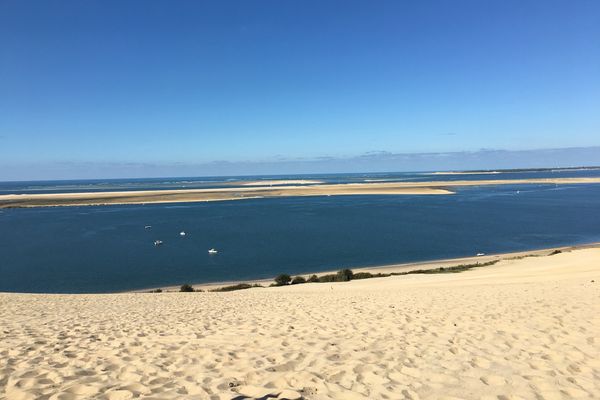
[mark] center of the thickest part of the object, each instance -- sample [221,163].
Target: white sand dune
[521,329]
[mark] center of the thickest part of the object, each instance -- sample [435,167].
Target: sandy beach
[393,268]
[238,193]
[524,328]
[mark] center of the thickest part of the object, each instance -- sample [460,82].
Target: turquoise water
[107,248]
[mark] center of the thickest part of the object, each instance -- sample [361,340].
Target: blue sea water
[107,248]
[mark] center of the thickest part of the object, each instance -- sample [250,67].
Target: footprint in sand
[83,390]
[480,363]
[493,380]
[119,395]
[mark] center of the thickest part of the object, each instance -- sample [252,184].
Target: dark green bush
[555,252]
[367,275]
[298,279]
[363,275]
[186,288]
[282,279]
[327,278]
[344,275]
[239,286]
[451,270]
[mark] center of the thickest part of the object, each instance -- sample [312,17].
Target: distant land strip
[238,193]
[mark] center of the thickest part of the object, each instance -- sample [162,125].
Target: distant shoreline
[389,268]
[245,192]
[374,269]
[238,178]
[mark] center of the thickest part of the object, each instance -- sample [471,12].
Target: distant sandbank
[238,193]
[278,182]
[463,173]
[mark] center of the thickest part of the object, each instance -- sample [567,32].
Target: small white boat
[480,254]
[147,226]
[212,251]
[182,233]
[158,242]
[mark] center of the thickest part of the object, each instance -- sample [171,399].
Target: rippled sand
[521,329]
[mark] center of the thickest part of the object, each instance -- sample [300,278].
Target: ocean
[108,249]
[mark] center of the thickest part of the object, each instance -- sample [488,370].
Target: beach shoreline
[383,269]
[394,269]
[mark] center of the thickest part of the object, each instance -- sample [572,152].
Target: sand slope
[527,328]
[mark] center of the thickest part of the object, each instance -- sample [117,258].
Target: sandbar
[238,193]
[463,173]
[277,182]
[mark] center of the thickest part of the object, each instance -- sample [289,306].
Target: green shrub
[298,279]
[282,279]
[363,275]
[344,275]
[446,270]
[367,275]
[239,286]
[327,278]
[186,288]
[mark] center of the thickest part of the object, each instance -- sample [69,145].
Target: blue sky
[157,83]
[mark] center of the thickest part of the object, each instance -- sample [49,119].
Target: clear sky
[153,83]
